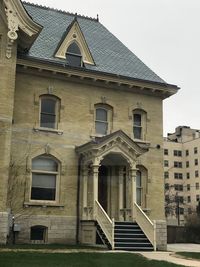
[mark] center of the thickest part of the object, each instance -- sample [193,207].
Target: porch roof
[113,143]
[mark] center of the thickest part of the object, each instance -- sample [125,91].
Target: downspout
[78,199]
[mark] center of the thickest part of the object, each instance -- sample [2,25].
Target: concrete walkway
[170,256]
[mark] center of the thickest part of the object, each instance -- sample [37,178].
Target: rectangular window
[178,153]
[178,175]
[196,174]
[187,152]
[101,122]
[188,187]
[197,186]
[196,162]
[188,175]
[188,199]
[166,152]
[187,164]
[48,112]
[167,186]
[197,198]
[166,163]
[195,150]
[178,187]
[166,175]
[177,164]
[137,126]
[43,186]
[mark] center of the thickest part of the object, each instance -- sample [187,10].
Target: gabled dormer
[74,48]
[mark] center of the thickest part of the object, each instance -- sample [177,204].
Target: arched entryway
[113,186]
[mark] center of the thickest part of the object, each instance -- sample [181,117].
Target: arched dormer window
[49,111]
[103,119]
[139,124]
[45,171]
[73,55]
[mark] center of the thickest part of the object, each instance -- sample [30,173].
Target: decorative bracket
[13,27]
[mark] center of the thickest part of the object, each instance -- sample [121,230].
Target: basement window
[38,234]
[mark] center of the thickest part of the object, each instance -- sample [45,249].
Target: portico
[108,176]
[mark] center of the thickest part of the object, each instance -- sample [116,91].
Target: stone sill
[49,130]
[44,205]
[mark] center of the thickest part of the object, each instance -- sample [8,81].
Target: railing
[147,226]
[107,225]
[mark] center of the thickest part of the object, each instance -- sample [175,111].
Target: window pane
[43,193]
[43,187]
[139,196]
[37,233]
[74,49]
[137,119]
[44,164]
[48,105]
[101,127]
[43,180]
[47,121]
[74,60]
[101,114]
[138,179]
[137,131]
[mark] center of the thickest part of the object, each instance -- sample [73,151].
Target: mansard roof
[110,55]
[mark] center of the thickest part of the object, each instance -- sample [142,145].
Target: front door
[103,187]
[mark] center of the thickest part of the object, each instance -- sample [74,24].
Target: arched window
[139,124]
[44,178]
[103,119]
[49,111]
[73,55]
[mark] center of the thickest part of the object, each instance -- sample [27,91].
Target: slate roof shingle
[110,55]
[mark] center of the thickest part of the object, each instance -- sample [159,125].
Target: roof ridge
[61,11]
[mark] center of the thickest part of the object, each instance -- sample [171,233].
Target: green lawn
[38,259]
[51,247]
[191,255]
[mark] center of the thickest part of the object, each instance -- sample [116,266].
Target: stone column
[133,172]
[95,175]
[121,177]
[85,193]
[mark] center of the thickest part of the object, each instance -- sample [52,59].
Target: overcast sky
[165,35]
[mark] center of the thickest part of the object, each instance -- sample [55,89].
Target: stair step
[135,248]
[128,244]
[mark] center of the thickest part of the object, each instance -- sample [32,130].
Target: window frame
[109,110]
[80,56]
[57,177]
[143,126]
[57,112]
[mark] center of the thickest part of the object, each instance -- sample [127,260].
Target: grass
[50,247]
[36,259]
[190,255]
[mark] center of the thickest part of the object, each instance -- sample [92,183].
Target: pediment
[74,34]
[117,142]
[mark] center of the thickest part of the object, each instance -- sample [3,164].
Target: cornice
[100,79]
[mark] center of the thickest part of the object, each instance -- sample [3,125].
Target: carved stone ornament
[13,26]
[47,149]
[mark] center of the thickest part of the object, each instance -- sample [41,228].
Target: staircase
[127,236]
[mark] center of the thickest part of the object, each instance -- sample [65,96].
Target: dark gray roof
[110,55]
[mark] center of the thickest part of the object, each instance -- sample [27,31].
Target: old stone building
[80,133]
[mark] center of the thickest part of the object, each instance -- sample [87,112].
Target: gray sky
[165,35]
